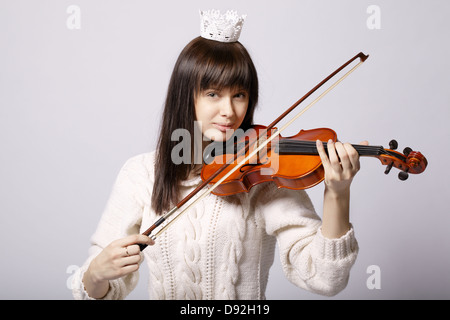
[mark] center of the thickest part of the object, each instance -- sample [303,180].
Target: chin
[217,135]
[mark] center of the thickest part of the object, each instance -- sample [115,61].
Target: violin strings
[309,147]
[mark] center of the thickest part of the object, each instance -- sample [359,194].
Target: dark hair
[202,64]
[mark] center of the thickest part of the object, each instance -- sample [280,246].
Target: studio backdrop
[82,85]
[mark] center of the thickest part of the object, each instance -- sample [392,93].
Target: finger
[343,156]
[125,251]
[353,156]
[127,261]
[364,143]
[133,250]
[332,155]
[322,154]
[123,270]
[134,239]
[129,269]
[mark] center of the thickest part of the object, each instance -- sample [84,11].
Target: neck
[296,147]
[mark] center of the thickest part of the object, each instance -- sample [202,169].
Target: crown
[221,27]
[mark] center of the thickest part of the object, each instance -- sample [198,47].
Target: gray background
[76,104]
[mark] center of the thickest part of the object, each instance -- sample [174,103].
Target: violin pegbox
[408,162]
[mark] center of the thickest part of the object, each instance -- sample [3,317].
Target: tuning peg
[388,167]
[393,144]
[403,175]
[406,151]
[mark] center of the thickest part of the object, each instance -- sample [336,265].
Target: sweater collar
[191,182]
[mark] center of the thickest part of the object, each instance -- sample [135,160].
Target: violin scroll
[408,162]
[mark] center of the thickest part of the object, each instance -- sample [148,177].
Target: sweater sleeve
[309,260]
[121,217]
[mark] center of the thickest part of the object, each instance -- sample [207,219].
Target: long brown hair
[202,64]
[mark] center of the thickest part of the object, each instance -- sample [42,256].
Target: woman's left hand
[341,164]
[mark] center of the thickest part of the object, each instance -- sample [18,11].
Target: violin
[262,154]
[291,162]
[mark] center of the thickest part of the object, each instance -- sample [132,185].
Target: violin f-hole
[242,170]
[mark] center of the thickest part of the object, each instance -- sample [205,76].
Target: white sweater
[223,247]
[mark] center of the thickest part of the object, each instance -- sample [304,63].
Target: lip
[224,127]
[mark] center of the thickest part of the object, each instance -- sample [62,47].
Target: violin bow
[180,204]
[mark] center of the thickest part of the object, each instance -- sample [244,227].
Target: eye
[211,94]
[241,95]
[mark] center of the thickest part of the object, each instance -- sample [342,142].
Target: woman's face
[220,112]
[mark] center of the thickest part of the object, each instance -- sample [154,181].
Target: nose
[227,108]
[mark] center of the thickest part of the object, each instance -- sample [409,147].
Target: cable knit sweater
[223,247]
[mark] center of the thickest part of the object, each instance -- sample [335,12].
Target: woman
[223,247]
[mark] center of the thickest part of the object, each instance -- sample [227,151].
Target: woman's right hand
[119,258]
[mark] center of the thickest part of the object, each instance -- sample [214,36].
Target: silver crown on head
[221,27]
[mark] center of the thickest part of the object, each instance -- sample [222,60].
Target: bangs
[225,68]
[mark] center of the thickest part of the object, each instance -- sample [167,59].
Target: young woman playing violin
[223,247]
